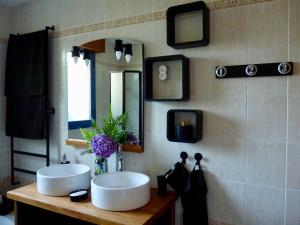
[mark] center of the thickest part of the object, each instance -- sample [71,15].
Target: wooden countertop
[87,212]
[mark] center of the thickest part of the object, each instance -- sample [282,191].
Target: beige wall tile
[266,118]
[158,5]
[256,33]
[264,206]
[267,25]
[227,201]
[5,23]
[156,116]
[227,118]
[292,207]
[266,163]
[139,7]
[116,9]
[230,33]
[293,165]
[159,41]
[293,118]
[272,55]
[294,80]
[267,86]
[228,159]
[294,17]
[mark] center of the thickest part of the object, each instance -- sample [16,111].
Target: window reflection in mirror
[80,93]
[117,83]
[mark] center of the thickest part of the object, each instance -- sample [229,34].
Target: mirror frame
[98,46]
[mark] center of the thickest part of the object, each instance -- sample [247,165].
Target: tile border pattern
[215,5]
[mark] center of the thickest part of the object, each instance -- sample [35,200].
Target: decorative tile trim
[223,4]
[216,5]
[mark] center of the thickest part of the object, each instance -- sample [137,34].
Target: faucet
[119,157]
[64,160]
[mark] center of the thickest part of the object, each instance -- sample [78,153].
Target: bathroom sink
[61,179]
[120,191]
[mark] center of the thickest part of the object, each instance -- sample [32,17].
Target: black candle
[184,132]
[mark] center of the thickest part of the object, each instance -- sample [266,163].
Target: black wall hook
[183,156]
[198,158]
[50,28]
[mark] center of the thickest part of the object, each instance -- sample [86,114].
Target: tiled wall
[5,27]
[251,144]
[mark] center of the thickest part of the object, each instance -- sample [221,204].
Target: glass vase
[101,165]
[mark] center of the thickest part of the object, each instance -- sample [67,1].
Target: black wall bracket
[255,70]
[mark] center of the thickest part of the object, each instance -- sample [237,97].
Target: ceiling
[13,3]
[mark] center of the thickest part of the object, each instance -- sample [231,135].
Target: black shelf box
[194,118]
[176,87]
[189,8]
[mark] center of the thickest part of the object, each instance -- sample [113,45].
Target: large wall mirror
[100,78]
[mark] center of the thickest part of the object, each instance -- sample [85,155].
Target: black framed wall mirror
[101,74]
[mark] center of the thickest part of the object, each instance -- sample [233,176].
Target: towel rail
[46,156]
[30,154]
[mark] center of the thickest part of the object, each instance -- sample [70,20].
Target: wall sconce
[86,56]
[76,51]
[128,52]
[119,46]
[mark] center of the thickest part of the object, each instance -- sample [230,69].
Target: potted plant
[103,142]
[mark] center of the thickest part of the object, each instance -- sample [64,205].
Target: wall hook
[198,158]
[183,156]
[50,28]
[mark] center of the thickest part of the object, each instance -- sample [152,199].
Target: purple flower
[132,139]
[103,145]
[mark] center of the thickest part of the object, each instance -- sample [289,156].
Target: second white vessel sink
[120,191]
[61,179]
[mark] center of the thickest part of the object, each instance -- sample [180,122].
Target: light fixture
[119,46]
[128,52]
[86,56]
[76,53]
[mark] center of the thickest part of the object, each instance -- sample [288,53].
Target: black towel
[26,85]
[25,117]
[179,178]
[194,200]
[26,64]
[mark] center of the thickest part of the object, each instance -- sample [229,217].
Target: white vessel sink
[120,191]
[61,179]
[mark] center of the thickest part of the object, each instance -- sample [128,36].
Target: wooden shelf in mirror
[77,143]
[97,46]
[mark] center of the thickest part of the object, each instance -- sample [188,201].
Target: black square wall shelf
[184,125]
[188,25]
[167,78]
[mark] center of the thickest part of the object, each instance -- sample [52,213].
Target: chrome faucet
[119,157]
[64,160]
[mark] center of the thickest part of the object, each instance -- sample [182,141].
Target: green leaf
[117,128]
